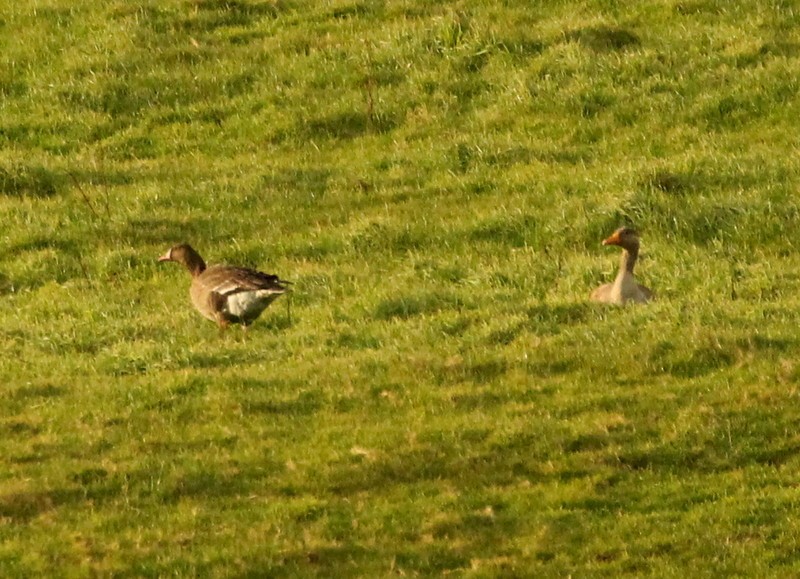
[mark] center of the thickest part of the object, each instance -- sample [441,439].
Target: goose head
[186,255]
[624,237]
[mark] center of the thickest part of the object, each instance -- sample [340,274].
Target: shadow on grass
[670,182]
[478,371]
[676,203]
[206,16]
[551,318]
[210,15]
[21,507]
[666,357]
[95,485]
[319,250]
[132,364]
[6,285]
[426,560]
[734,440]
[699,363]
[39,243]
[479,400]
[733,111]
[307,562]
[554,365]
[697,7]
[48,260]
[712,458]
[408,306]
[207,483]
[34,180]
[156,230]
[509,230]
[19,427]
[303,187]
[510,157]
[588,442]
[102,176]
[279,317]
[377,238]
[347,125]
[39,391]
[767,52]
[12,85]
[603,38]
[304,404]
[436,461]
[478,528]
[358,10]
[354,341]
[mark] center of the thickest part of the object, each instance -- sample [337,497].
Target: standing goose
[624,289]
[226,294]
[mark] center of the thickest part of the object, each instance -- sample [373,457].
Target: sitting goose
[624,289]
[226,294]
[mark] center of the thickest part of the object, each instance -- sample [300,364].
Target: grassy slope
[436,179]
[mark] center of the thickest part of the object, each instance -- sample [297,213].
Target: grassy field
[436,179]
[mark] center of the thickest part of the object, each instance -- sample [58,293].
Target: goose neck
[628,261]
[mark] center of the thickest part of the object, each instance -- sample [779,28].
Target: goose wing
[228,280]
[646,292]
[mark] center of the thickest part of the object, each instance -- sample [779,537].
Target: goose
[226,294]
[624,289]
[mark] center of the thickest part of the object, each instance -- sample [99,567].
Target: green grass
[435,178]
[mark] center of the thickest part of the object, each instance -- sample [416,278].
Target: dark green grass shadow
[409,306]
[34,391]
[667,357]
[166,232]
[33,180]
[345,125]
[24,506]
[61,244]
[49,260]
[214,14]
[301,187]
[548,319]
[604,38]
[510,230]
[304,404]
[675,204]
[352,340]
[740,441]
[436,460]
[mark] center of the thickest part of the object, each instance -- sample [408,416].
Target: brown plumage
[624,289]
[226,294]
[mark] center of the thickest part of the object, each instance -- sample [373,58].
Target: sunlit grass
[435,180]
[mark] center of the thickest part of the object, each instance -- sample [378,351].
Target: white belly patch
[249,304]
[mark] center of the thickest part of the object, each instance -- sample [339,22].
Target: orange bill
[612,239]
